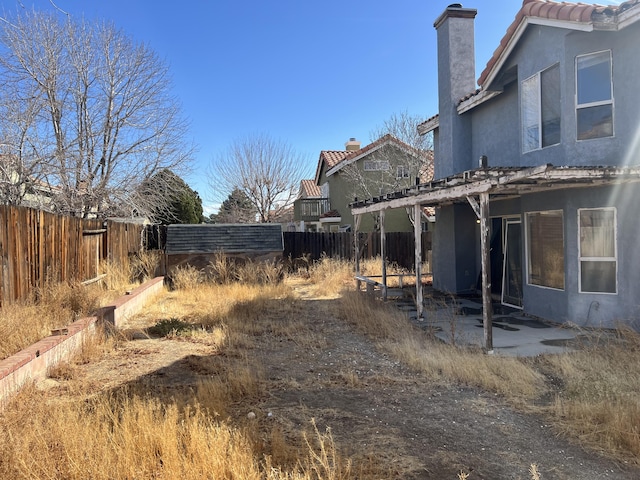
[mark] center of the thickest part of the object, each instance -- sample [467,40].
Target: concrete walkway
[459,320]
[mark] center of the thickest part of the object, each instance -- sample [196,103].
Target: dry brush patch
[56,304]
[600,397]
[143,431]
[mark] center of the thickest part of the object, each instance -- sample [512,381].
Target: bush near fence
[37,246]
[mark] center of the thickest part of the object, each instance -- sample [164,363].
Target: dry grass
[329,277]
[600,402]
[121,437]
[132,434]
[141,432]
[56,305]
[511,377]
[25,323]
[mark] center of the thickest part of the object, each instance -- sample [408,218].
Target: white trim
[538,77]
[512,219]
[628,17]
[599,259]
[578,106]
[476,100]
[515,38]
[330,219]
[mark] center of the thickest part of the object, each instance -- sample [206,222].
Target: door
[512,263]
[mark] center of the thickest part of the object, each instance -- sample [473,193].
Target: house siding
[342,193]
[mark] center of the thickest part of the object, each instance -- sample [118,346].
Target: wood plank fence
[37,246]
[312,245]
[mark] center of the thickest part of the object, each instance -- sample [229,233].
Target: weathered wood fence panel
[37,246]
[400,246]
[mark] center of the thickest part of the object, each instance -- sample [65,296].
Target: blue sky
[311,74]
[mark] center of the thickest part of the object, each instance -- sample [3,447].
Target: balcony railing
[310,209]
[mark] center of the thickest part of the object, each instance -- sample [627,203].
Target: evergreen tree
[237,208]
[172,200]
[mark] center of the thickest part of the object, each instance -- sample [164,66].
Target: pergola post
[356,243]
[383,254]
[417,234]
[487,308]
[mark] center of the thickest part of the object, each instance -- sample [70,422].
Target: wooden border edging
[33,362]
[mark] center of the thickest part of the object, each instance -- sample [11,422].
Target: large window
[545,249]
[598,264]
[594,96]
[540,106]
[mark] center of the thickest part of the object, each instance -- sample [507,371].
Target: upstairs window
[540,108]
[376,165]
[402,172]
[598,260]
[594,96]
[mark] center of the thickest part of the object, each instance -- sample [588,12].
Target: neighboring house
[383,166]
[546,155]
[308,207]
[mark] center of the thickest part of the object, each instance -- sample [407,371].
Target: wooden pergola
[477,188]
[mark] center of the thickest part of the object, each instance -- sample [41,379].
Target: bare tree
[267,171]
[397,163]
[399,166]
[86,111]
[404,127]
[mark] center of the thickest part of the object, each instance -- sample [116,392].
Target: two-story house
[537,170]
[386,165]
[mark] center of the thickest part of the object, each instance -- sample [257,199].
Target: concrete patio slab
[459,321]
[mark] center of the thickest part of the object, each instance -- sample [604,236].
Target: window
[545,249]
[594,96]
[540,105]
[375,165]
[598,264]
[402,172]
[324,190]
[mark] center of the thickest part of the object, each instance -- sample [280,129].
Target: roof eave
[476,100]
[629,17]
[429,125]
[515,38]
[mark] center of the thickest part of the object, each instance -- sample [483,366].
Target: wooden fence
[37,246]
[312,245]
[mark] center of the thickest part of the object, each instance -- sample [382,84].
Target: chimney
[352,145]
[456,79]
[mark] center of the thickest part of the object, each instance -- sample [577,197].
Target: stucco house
[386,165]
[537,167]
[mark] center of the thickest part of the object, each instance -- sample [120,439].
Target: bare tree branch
[265,170]
[88,110]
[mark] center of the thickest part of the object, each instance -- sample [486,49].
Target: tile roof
[339,158]
[551,10]
[333,157]
[388,138]
[309,189]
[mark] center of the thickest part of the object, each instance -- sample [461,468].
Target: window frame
[598,259]
[402,171]
[527,240]
[599,103]
[376,166]
[536,78]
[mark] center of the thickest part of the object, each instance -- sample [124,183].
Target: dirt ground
[377,409]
